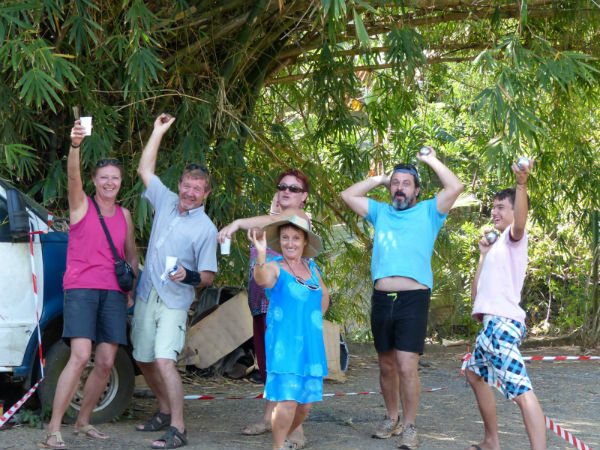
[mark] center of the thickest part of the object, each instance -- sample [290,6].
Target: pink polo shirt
[501,279]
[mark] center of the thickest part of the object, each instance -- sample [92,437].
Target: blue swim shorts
[497,358]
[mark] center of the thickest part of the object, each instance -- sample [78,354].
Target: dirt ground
[448,419]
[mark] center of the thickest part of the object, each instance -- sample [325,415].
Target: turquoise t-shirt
[403,241]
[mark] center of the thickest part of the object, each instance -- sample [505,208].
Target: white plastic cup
[86,122]
[170,262]
[226,246]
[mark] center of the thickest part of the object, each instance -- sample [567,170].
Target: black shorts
[96,314]
[399,320]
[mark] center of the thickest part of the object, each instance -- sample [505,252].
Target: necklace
[291,268]
[312,287]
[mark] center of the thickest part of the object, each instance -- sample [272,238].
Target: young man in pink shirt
[496,292]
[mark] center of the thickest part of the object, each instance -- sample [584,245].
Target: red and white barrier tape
[339,394]
[13,409]
[467,356]
[567,436]
[35,290]
[465,360]
[559,358]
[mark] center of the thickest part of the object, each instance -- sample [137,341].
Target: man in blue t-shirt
[405,232]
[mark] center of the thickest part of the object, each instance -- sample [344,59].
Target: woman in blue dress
[296,361]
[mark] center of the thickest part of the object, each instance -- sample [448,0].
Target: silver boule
[424,151]
[522,162]
[491,237]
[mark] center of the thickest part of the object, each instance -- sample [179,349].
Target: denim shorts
[399,320]
[96,314]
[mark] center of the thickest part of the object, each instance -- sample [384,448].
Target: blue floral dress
[296,360]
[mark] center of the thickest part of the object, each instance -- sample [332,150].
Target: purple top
[257,299]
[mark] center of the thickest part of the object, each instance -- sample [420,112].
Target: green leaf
[361,31]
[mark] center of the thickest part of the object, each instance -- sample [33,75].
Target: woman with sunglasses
[292,192]
[296,360]
[95,308]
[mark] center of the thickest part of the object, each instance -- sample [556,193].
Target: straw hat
[313,247]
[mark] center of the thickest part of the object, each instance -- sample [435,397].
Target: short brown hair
[510,194]
[298,174]
[196,172]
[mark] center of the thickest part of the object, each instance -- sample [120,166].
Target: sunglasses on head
[108,162]
[201,167]
[293,188]
[407,167]
[312,287]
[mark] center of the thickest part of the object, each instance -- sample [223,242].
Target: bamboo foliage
[339,88]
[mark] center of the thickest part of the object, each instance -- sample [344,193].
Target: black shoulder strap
[110,241]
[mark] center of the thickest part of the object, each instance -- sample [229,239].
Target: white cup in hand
[86,122]
[170,263]
[226,246]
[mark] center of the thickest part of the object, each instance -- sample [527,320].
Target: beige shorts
[157,331]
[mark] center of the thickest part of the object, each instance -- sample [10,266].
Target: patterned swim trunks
[497,358]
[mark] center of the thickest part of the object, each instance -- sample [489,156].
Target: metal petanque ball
[522,162]
[491,237]
[424,151]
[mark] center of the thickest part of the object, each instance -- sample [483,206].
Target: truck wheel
[115,397]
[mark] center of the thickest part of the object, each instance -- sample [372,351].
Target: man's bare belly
[392,284]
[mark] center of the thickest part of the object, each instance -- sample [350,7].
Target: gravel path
[448,419]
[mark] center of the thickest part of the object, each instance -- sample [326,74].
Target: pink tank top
[90,262]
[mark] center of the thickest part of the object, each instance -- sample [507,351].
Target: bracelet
[75,146]
[260,264]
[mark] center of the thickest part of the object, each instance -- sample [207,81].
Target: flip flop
[297,441]
[256,428]
[58,439]
[91,432]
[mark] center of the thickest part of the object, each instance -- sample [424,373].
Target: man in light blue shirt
[181,229]
[405,232]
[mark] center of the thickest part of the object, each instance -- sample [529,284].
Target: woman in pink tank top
[95,308]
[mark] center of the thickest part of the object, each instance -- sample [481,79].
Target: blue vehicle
[19,356]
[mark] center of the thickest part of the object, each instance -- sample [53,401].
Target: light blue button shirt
[190,236]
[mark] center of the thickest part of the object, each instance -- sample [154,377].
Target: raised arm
[265,273]
[147,163]
[77,199]
[257,222]
[517,228]
[452,185]
[356,195]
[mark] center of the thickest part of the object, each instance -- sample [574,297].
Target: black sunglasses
[196,167]
[293,188]
[312,287]
[108,162]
